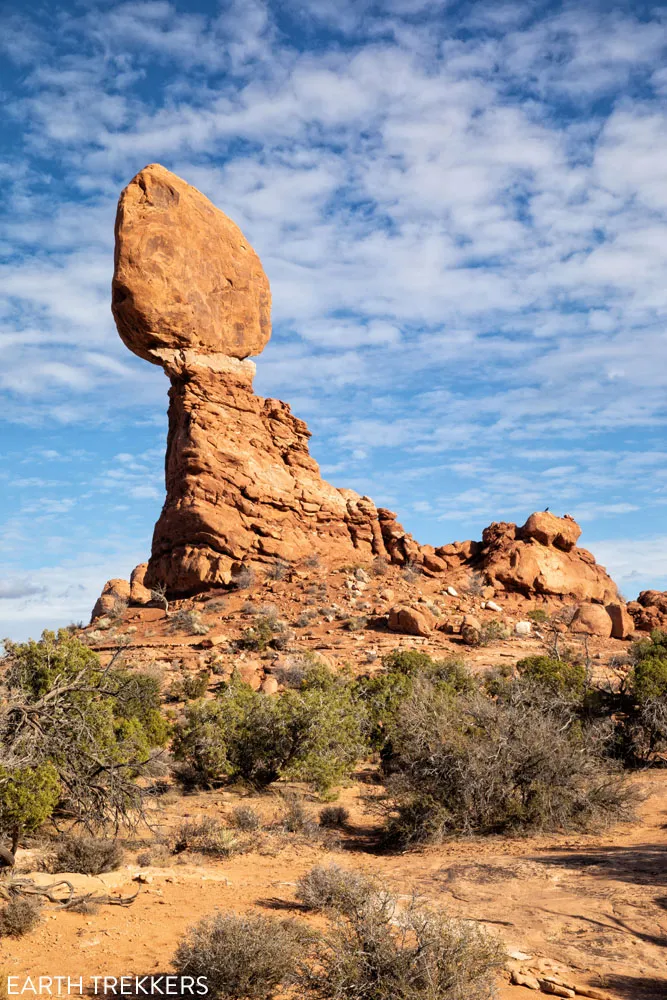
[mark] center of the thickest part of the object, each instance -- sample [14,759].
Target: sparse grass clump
[87,855]
[244,578]
[19,917]
[205,835]
[188,621]
[241,957]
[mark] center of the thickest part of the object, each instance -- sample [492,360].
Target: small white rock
[452,592]
[492,606]
[523,628]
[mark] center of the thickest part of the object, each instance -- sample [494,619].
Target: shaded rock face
[189,293]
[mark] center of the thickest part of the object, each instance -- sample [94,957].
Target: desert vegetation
[373,948]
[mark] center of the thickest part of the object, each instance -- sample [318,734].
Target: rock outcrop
[190,294]
[649,611]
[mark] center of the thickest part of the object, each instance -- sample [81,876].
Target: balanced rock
[114,594]
[185,277]
[189,293]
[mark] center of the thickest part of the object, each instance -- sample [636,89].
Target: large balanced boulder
[185,277]
[622,622]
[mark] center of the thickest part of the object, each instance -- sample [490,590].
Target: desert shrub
[305,619]
[28,796]
[245,818]
[356,624]
[333,888]
[380,566]
[156,854]
[384,693]
[492,632]
[241,957]
[379,950]
[98,731]
[559,676]
[537,615]
[649,679]
[87,855]
[194,686]
[215,605]
[205,835]
[334,816]
[471,764]
[410,571]
[406,661]
[258,636]
[294,817]
[244,579]
[139,696]
[200,742]
[277,570]
[188,621]
[641,722]
[19,917]
[314,734]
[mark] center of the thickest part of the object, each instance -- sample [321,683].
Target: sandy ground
[594,905]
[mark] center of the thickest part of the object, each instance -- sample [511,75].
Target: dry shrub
[188,621]
[157,854]
[87,855]
[205,835]
[245,818]
[379,950]
[473,765]
[334,816]
[19,917]
[333,888]
[295,818]
[247,957]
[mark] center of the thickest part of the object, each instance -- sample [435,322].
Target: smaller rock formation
[115,595]
[592,619]
[649,611]
[411,620]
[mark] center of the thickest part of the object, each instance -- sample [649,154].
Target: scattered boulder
[411,621]
[139,594]
[592,619]
[471,630]
[115,593]
[622,622]
[525,979]
[523,628]
[269,685]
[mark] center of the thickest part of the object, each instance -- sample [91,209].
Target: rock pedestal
[189,294]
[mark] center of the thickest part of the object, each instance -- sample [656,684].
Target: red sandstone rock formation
[189,294]
[649,611]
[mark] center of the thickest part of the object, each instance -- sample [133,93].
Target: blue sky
[462,209]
